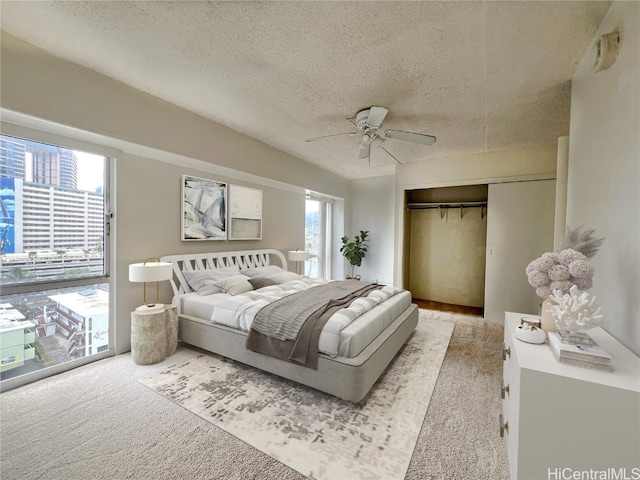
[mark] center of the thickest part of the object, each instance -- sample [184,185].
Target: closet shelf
[446,205]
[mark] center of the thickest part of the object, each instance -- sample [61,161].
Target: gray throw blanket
[290,327]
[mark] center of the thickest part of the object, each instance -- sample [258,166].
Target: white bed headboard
[244,259]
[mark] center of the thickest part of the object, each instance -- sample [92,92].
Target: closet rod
[447,205]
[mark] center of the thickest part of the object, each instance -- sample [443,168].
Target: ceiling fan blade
[376,116]
[388,153]
[365,151]
[410,137]
[313,139]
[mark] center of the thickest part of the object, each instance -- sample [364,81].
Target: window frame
[325,243]
[26,133]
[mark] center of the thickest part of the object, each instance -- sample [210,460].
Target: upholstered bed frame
[347,378]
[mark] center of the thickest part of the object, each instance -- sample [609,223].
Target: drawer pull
[504,426]
[505,389]
[506,351]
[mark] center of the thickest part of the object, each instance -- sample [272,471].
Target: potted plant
[354,251]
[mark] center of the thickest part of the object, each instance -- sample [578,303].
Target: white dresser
[559,419]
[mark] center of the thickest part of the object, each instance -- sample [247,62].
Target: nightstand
[154,336]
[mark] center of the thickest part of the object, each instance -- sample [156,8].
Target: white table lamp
[298,256]
[151,270]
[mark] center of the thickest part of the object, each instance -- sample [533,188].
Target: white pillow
[234,285]
[265,271]
[283,277]
[379,295]
[203,281]
[362,304]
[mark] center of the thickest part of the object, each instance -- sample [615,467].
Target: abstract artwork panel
[245,213]
[203,209]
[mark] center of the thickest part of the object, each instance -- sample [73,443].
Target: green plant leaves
[354,251]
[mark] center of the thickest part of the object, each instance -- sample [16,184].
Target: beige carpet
[460,435]
[98,422]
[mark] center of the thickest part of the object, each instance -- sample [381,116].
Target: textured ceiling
[480,76]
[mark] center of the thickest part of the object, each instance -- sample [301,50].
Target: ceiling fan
[368,121]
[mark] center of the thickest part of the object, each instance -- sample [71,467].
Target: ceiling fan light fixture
[370,118]
[361,119]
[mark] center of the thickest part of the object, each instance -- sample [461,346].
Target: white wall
[372,208]
[512,165]
[604,171]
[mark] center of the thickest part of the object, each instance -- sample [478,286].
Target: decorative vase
[547,322]
[529,330]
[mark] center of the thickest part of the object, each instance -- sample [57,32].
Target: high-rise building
[56,219]
[53,165]
[38,162]
[12,157]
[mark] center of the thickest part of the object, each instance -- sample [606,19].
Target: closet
[470,245]
[447,231]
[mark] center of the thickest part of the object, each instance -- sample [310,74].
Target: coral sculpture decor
[576,311]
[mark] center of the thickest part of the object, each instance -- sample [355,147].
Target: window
[318,236]
[54,304]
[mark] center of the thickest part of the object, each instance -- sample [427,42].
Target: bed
[216,316]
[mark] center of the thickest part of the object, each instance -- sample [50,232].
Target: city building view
[52,230]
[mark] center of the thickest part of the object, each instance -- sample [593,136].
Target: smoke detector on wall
[607,48]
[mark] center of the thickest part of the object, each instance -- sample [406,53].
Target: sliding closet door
[520,228]
[447,255]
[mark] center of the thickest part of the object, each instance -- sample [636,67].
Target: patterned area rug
[317,434]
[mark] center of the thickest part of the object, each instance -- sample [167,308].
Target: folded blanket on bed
[289,328]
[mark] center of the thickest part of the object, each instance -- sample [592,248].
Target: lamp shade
[298,255]
[150,272]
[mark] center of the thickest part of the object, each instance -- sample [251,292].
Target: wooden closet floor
[447,307]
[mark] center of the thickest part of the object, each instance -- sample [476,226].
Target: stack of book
[575,338]
[588,356]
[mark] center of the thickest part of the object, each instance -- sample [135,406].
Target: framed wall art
[245,213]
[204,204]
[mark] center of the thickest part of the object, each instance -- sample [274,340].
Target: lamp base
[158,307]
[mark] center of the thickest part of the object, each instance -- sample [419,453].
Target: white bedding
[346,333]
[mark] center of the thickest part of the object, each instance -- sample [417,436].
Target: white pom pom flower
[538,279]
[581,269]
[559,273]
[565,257]
[543,292]
[563,286]
[583,283]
